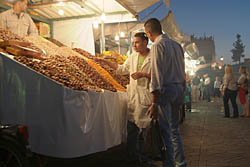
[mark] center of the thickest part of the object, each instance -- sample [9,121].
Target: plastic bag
[155,146]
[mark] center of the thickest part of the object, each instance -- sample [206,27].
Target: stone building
[206,47]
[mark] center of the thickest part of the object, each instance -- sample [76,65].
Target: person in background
[138,66]
[217,85]
[207,88]
[188,92]
[201,88]
[195,89]
[167,87]
[17,21]
[229,91]
[248,86]
[242,84]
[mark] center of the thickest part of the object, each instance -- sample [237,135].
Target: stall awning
[135,7]
[74,9]
[55,10]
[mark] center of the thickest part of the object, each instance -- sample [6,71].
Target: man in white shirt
[167,88]
[138,67]
[17,21]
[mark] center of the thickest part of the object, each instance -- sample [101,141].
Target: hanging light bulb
[95,25]
[122,34]
[61,12]
[117,38]
[103,17]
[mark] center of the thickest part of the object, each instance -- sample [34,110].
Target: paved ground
[209,141]
[213,141]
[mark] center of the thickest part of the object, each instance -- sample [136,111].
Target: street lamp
[221,58]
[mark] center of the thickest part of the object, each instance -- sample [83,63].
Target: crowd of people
[228,87]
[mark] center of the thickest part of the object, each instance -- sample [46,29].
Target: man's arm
[120,69]
[156,80]
[153,109]
[111,64]
[138,75]
[32,31]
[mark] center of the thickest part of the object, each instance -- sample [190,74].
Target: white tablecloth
[62,122]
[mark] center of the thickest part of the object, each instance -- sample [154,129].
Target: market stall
[71,21]
[69,111]
[62,122]
[73,106]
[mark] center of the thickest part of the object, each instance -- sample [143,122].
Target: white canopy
[135,7]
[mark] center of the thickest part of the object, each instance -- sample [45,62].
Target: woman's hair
[244,69]
[228,69]
[142,35]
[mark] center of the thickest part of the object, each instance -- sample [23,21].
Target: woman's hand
[223,91]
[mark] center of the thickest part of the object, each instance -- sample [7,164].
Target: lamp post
[221,58]
[220,64]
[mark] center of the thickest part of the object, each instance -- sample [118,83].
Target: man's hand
[137,75]
[111,64]
[153,111]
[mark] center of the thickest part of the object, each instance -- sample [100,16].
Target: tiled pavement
[213,141]
[209,141]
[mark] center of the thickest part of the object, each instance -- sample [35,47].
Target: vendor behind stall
[137,66]
[17,21]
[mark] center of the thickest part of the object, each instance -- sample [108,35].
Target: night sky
[222,19]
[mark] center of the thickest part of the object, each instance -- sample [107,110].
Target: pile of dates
[121,79]
[92,73]
[62,70]
[6,35]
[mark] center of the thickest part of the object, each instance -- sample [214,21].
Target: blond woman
[230,91]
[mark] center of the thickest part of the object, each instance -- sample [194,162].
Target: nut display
[121,79]
[61,70]
[6,35]
[61,64]
[9,39]
[92,73]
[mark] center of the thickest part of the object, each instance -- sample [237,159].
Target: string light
[117,38]
[103,17]
[95,25]
[122,34]
[61,12]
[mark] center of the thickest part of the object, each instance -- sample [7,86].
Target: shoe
[226,117]
[235,116]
